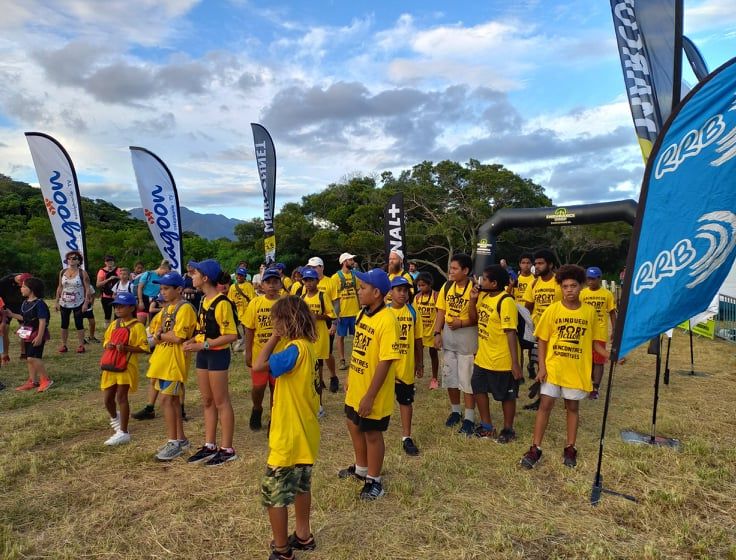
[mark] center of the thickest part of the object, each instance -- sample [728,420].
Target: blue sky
[343,87]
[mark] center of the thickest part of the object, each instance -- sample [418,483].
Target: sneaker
[434,384]
[481,432]
[409,447]
[170,451]
[453,419]
[85,341]
[298,544]
[467,429]
[63,349]
[94,340]
[45,384]
[184,444]
[145,413]
[255,419]
[81,349]
[372,490]
[321,413]
[532,406]
[27,386]
[118,438]
[334,384]
[534,389]
[570,456]
[276,555]
[343,366]
[507,435]
[115,422]
[593,395]
[204,453]
[531,457]
[349,473]
[221,458]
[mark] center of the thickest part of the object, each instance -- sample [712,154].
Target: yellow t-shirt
[327,286]
[287,282]
[223,315]
[455,301]
[493,347]
[168,361]
[258,319]
[542,294]
[410,330]
[322,344]
[602,301]
[241,301]
[137,339]
[294,435]
[376,339]
[570,334]
[349,306]
[295,288]
[406,275]
[427,309]
[522,284]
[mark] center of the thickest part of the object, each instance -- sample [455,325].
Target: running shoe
[570,456]
[45,384]
[507,435]
[334,384]
[221,458]
[483,433]
[184,444]
[80,349]
[145,413]
[593,395]
[170,451]
[255,419]
[118,438]
[115,422]
[372,490]
[531,457]
[349,473]
[453,419]
[203,454]
[343,366]
[434,384]
[94,340]
[410,447]
[27,386]
[468,428]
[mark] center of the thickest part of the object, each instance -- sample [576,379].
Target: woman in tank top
[72,298]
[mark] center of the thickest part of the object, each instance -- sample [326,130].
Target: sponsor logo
[560,216]
[396,242]
[262,161]
[718,229]
[71,227]
[164,217]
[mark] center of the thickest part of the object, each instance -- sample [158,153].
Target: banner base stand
[692,373]
[597,490]
[638,438]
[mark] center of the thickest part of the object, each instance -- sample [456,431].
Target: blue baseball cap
[171,279]
[593,272]
[241,271]
[271,272]
[281,266]
[124,298]
[399,281]
[376,278]
[209,267]
[308,273]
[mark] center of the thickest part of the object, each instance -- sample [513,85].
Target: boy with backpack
[169,363]
[347,292]
[496,368]
[241,292]
[411,363]
[125,338]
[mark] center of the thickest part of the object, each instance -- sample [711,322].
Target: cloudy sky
[344,87]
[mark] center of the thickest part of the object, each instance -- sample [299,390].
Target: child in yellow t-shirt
[294,436]
[567,332]
[169,364]
[425,303]
[117,384]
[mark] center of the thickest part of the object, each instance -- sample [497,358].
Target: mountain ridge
[209,226]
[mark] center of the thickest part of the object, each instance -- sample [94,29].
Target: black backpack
[207,319]
[521,326]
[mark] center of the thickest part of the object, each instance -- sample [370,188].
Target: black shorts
[404,392]
[500,384]
[213,360]
[34,351]
[89,314]
[366,424]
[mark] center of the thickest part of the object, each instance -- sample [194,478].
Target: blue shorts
[213,360]
[346,326]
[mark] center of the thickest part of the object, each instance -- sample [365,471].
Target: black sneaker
[334,384]
[297,544]
[409,447]
[532,406]
[343,366]
[534,389]
[204,453]
[468,428]
[372,490]
[145,413]
[453,419]
[531,457]
[570,456]
[481,432]
[221,457]
[349,473]
[507,435]
[276,555]
[255,419]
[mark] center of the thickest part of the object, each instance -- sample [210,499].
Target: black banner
[266,161]
[394,225]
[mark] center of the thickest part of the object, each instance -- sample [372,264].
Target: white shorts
[457,371]
[555,391]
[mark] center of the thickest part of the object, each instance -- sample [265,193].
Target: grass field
[65,495]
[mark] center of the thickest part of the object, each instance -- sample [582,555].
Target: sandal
[80,349]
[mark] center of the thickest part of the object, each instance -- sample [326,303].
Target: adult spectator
[107,276]
[148,289]
[348,305]
[72,298]
[138,269]
[413,271]
[396,268]
[11,295]
[257,279]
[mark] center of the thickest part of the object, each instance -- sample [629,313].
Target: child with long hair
[294,435]
[213,335]
[425,303]
[35,316]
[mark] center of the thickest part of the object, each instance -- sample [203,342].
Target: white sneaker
[115,422]
[118,438]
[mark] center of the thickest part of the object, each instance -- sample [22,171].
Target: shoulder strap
[500,301]
[412,311]
[341,276]
[241,292]
[446,287]
[322,302]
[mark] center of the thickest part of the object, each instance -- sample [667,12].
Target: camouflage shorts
[280,485]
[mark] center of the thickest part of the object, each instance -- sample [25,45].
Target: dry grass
[67,496]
